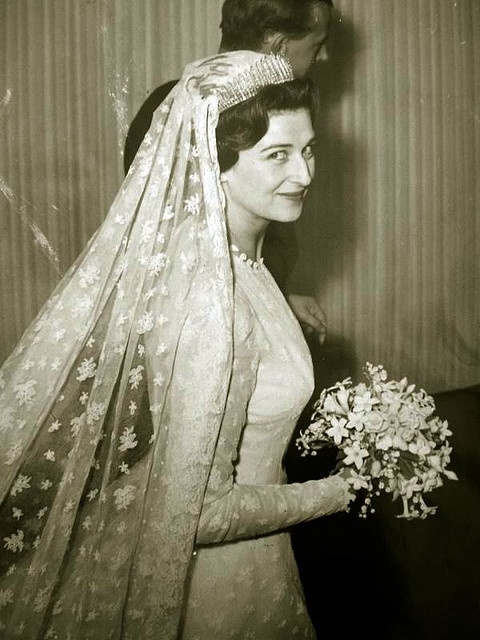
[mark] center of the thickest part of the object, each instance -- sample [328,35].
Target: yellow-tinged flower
[364,402]
[374,421]
[355,455]
[335,404]
[337,431]
[357,481]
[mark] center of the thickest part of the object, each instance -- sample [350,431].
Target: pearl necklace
[253,264]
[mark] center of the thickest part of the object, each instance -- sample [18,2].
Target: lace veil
[111,403]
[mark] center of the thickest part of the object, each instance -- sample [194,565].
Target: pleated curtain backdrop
[390,235]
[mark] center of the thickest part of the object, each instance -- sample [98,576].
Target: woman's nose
[303,172]
[322,55]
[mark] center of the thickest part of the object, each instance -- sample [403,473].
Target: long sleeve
[233,510]
[247,511]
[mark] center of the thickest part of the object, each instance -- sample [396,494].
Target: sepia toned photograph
[239,319]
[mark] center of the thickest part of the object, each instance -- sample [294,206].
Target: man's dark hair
[240,127]
[245,23]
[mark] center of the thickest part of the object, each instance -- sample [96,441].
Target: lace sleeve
[232,510]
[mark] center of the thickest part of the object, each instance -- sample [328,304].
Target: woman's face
[270,180]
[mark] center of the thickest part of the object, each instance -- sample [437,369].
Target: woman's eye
[278,155]
[308,152]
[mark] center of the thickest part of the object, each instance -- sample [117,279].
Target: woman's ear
[276,43]
[223,177]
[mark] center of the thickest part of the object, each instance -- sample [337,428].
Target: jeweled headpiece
[268,70]
[238,76]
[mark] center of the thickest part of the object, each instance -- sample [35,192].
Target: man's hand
[309,314]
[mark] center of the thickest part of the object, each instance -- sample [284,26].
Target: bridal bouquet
[387,436]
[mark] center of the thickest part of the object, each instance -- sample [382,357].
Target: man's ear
[275,42]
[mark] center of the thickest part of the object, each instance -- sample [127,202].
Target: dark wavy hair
[243,125]
[245,23]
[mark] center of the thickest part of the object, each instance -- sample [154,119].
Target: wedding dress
[244,578]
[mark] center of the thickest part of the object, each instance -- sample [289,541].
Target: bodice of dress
[284,379]
[272,380]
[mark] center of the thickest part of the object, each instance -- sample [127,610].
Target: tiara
[270,69]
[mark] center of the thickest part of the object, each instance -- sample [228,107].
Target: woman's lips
[294,195]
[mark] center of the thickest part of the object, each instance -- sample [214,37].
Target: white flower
[58,334]
[161,349]
[148,228]
[95,411]
[88,276]
[357,481]
[13,453]
[87,369]
[355,455]
[374,421]
[384,442]
[56,364]
[15,542]
[29,364]
[135,376]
[69,506]
[55,426]
[81,307]
[145,323]
[157,263]
[192,205]
[195,178]
[17,513]
[49,455]
[21,483]
[249,503]
[159,380]
[337,431]
[75,424]
[6,597]
[41,600]
[6,420]
[124,468]
[128,439]
[364,402]
[420,447]
[132,407]
[25,393]
[168,212]
[124,497]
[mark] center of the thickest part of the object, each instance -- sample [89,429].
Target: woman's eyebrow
[277,146]
[286,145]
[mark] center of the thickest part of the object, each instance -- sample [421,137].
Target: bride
[146,411]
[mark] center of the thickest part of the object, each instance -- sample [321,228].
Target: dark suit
[142,121]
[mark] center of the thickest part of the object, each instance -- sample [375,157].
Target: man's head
[298,29]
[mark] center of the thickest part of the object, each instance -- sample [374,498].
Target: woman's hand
[309,314]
